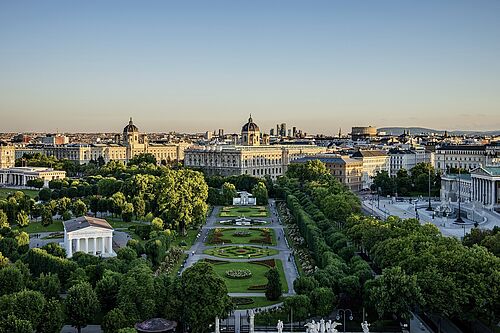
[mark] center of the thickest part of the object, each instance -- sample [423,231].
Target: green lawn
[188,239]
[120,224]
[258,302]
[240,252]
[4,192]
[235,236]
[37,227]
[258,276]
[247,211]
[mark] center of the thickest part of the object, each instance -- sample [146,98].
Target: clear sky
[203,65]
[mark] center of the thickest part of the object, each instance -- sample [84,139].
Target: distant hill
[422,130]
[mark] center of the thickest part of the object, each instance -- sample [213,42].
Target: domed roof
[250,126]
[130,127]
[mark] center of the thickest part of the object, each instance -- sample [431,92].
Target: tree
[79,208]
[28,305]
[49,285]
[45,194]
[303,285]
[4,261]
[9,248]
[136,297]
[204,296]
[22,219]
[63,205]
[11,280]
[46,217]
[139,207]
[259,191]
[52,317]
[108,186]
[420,177]
[300,305]
[118,201]
[16,325]
[322,301]
[36,183]
[157,224]
[384,182]
[23,239]
[81,305]
[273,288]
[181,198]
[310,171]
[107,289]
[228,193]
[4,222]
[394,292]
[127,212]
[55,249]
[113,321]
[147,158]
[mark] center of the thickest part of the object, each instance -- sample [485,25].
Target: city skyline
[89,66]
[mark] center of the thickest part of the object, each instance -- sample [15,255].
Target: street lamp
[429,208]
[459,218]
[378,197]
[343,312]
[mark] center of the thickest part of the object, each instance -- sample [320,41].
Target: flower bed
[258,287]
[241,233]
[268,263]
[237,252]
[239,274]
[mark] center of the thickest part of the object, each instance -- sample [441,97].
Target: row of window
[263,172]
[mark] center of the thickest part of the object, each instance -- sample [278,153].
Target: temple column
[69,247]
[86,245]
[77,245]
[474,188]
[102,246]
[481,191]
[492,193]
[110,244]
[94,248]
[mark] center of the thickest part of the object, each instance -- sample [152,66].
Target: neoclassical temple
[90,235]
[486,186]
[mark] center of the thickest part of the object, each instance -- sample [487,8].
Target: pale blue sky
[202,65]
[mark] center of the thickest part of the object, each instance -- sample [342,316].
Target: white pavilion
[244,199]
[90,235]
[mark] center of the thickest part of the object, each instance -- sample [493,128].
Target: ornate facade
[7,156]
[253,156]
[130,144]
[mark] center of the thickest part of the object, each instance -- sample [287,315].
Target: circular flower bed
[239,273]
[240,251]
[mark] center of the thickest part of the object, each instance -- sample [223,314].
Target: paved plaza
[485,219]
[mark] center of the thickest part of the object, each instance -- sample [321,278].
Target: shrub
[242,300]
